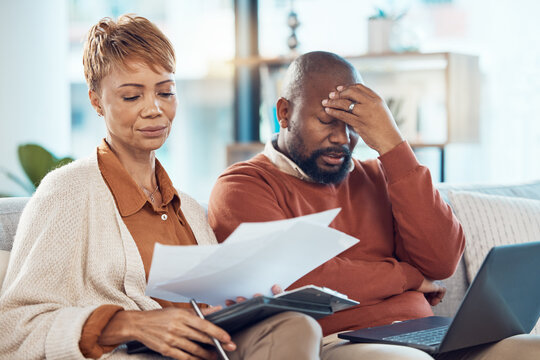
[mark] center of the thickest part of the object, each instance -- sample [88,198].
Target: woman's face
[138,105]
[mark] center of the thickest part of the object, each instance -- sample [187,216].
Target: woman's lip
[152,131]
[153,128]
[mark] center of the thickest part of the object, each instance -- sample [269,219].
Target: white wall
[504,35]
[34,88]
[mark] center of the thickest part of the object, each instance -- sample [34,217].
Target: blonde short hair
[110,44]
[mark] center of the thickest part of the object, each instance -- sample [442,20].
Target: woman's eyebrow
[141,86]
[165,81]
[130,84]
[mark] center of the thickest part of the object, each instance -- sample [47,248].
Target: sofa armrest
[10,212]
[4,260]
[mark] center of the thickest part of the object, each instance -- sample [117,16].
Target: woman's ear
[95,100]
[283,112]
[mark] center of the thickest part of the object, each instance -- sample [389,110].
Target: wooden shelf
[439,92]
[237,152]
[286,60]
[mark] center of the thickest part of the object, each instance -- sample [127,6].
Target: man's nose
[340,133]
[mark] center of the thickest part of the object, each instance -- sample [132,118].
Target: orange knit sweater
[406,230]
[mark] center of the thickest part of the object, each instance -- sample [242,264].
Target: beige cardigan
[72,253]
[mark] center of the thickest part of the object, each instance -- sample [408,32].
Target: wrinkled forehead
[318,86]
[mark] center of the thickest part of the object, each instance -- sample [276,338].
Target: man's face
[319,144]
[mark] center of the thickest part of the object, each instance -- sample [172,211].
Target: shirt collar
[128,196]
[286,165]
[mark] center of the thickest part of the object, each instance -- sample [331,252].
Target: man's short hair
[112,43]
[309,64]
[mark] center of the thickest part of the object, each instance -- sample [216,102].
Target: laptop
[503,300]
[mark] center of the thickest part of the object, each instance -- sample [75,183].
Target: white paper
[247,231]
[258,256]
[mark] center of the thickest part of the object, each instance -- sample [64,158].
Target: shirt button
[164,217]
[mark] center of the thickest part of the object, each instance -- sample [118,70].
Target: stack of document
[252,259]
[311,300]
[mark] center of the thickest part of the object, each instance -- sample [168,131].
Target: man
[408,235]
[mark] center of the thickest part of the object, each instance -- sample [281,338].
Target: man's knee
[523,347]
[407,353]
[384,352]
[336,349]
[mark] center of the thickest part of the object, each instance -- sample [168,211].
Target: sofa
[490,215]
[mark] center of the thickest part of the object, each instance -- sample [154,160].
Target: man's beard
[310,167]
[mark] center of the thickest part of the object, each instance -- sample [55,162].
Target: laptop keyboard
[428,337]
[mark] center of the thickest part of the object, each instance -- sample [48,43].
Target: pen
[219,348]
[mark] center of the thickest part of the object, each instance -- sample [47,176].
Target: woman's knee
[300,324]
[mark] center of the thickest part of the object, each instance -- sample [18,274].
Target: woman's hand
[369,117]
[434,291]
[171,331]
[276,289]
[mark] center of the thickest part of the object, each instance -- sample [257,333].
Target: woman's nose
[152,107]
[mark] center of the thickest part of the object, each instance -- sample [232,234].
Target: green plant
[36,162]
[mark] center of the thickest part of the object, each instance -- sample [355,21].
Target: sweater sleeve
[93,328]
[41,310]
[427,234]
[392,278]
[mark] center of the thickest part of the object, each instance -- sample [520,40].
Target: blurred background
[462,79]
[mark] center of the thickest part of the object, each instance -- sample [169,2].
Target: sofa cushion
[457,284]
[491,220]
[10,212]
[530,190]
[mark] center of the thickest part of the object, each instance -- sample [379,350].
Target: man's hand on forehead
[367,113]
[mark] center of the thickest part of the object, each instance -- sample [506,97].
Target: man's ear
[95,100]
[283,110]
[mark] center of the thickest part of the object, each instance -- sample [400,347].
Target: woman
[76,280]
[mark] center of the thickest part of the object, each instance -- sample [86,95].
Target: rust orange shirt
[147,223]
